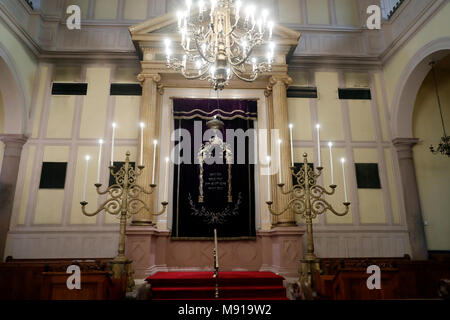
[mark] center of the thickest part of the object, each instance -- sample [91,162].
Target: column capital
[14,139]
[283,78]
[154,77]
[404,147]
[401,143]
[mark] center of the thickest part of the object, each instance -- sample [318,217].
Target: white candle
[269,191]
[100,145]
[112,142]
[280,172]
[217,248]
[318,145]
[291,126]
[155,142]
[330,145]
[166,179]
[345,181]
[86,177]
[142,125]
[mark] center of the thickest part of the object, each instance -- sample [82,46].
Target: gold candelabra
[123,201]
[309,202]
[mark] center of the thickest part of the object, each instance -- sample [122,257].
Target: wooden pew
[351,284]
[24,279]
[95,285]
[401,278]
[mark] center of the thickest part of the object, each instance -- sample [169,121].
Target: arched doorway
[433,171]
[402,124]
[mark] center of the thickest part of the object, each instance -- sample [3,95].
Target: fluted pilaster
[278,86]
[151,106]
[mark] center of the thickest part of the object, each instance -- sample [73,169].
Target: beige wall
[358,129]
[313,12]
[66,129]
[433,171]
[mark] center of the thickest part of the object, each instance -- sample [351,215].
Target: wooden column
[151,116]
[278,85]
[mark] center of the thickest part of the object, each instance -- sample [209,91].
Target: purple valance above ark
[226,109]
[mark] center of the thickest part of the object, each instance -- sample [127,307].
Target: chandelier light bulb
[330,144]
[180,18]
[238,8]
[270,25]
[343,160]
[272,47]
[88,158]
[317,126]
[100,141]
[249,12]
[114,125]
[291,126]
[244,46]
[142,125]
[155,142]
[268,159]
[265,14]
[213,5]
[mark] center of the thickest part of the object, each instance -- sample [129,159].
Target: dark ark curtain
[194,220]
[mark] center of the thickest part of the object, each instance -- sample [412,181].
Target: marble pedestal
[278,250]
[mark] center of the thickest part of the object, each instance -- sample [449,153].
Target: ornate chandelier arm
[253,78]
[201,53]
[111,206]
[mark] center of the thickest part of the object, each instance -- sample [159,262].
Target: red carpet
[232,286]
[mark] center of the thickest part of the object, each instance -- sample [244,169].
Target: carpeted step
[225,292]
[232,286]
[186,279]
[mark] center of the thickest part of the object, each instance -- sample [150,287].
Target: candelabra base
[308,267]
[120,267]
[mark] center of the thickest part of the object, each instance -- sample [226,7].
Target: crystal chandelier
[444,145]
[219,43]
